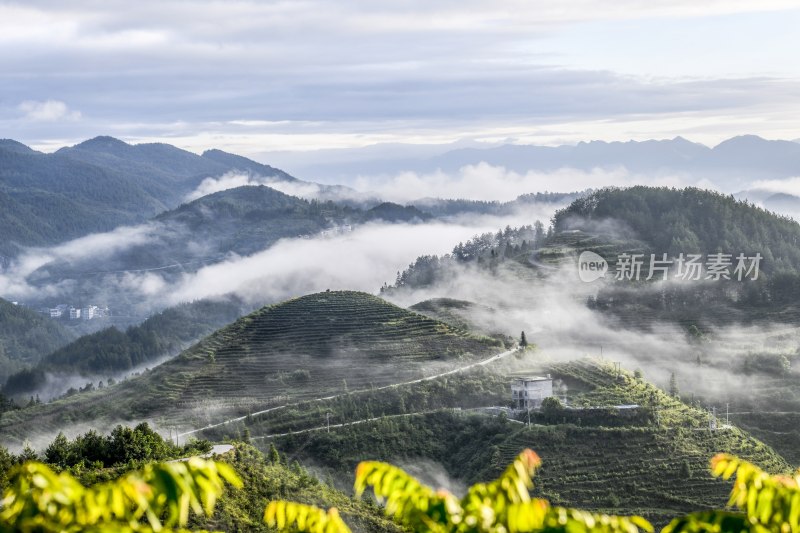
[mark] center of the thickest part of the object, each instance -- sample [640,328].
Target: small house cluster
[529,392]
[70,312]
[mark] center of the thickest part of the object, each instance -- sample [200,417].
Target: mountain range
[730,165]
[98,185]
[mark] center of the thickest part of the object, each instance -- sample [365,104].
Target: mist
[362,259]
[496,183]
[554,314]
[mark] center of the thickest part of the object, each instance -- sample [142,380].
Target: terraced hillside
[658,469]
[309,347]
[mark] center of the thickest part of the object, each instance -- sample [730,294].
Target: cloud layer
[252,76]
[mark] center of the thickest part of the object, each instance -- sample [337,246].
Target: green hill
[690,220]
[309,347]
[463,314]
[25,337]
[595,455]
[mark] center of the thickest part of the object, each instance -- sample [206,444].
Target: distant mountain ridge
[98,185]
[729,165]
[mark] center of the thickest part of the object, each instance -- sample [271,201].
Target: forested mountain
[441,207]
[47,198]
[391,212]
[690,220]
[110,352]
[99,184]
[243,164]
[25,337]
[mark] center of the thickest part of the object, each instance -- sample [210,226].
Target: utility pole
[529,417]
[328,419]
[727,409]
[601,352]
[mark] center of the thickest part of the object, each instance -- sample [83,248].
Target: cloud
[488,182]
[14,279]
[264,75]
[552,311]
[233,179]
[785,186]
[362,259]
[48,111]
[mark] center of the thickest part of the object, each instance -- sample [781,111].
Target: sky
[303,75]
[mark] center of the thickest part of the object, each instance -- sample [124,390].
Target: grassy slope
[300,349]
[655,470]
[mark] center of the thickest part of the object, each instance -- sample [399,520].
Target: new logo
[591,266]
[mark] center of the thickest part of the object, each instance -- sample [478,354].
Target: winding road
[483,362]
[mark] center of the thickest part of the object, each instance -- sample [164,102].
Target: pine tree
[274,455]
[673,386]
[523,341]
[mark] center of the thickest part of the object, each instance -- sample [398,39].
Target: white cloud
[14,279]
[785,186]
[231,180]
[48,111]
[487,182]
[359,260]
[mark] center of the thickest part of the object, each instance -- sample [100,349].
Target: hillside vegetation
[655,467]
[690,220]
[308,347]
[25,337]
[109,352]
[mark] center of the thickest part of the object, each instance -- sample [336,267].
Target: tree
[538,229]
[673,386]
[523,341]
[274,455]
[59,451]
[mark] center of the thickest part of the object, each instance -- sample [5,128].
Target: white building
[529,392]
[74,313]
[90,312]
[58,311]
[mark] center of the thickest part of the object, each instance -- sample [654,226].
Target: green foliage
[673,386]
[124,446]
[503,505]
[158,498]
[768,502]
[642,461]
[297,516]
